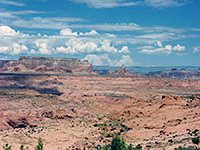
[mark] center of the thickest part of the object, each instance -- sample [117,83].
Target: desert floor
[85,111]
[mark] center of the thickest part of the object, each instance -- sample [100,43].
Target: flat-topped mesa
[31,62]
[49,64]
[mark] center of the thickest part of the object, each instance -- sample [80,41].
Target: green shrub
[148,146]
[7,147]
[130,147]
[108,135]
[195,140]
[106,147]
[40,144]
[117,143]
[170,141]
[185,148]
[96,125]
[138,147]
[22,147]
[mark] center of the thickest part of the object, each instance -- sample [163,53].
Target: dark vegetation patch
[52,91]
[117,95]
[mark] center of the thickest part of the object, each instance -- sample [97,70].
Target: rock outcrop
[170,100]
[18,123]
[122,71]
[58,115]
[46,65]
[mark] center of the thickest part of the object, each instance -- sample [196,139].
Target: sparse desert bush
[7,147]
[119,144]
[195,132]
[108,135]
[40,144]
[186,148]
[148,146]
[22,147]
[138,147]
[96,125]
[195,140]
[170,141]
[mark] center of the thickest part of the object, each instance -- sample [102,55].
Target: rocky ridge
[46,65]
[175,74]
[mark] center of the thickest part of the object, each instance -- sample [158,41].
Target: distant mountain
[176,74]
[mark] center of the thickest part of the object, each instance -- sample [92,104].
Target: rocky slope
[46,65]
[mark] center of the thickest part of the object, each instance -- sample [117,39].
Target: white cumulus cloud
[159,44]
[7,31]
[18,49]
[77,45]
[179,48]
[68,32]
[91,33]
[14,49]
[5,49]
[66,50]
[94,59]
[125,60]
[32,51]
[10,42]
[104,59]
[124,49]
[167,49]
[42,46]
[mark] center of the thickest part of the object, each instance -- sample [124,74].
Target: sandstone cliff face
[46,65]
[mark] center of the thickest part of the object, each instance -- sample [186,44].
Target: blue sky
[105,32]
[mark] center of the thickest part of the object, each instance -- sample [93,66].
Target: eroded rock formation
[122,71]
